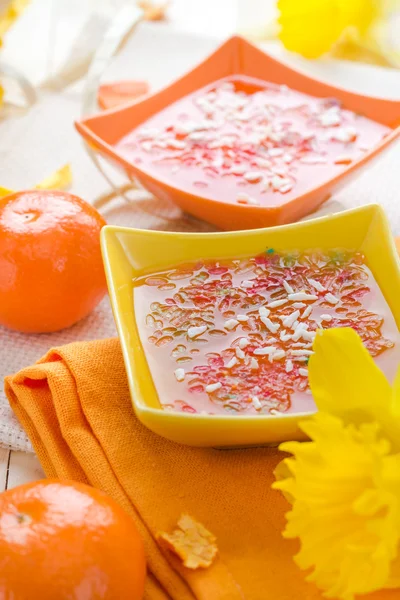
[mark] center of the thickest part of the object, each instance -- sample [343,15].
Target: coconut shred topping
[236,336]
[253,142]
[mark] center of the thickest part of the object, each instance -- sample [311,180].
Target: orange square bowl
[130,253]
[236,57]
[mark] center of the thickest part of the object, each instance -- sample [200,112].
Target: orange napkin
[75,406]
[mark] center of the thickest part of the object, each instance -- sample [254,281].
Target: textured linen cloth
[36,143]
[75,406]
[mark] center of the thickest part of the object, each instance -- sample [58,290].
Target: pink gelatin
[235,336]
[250,142]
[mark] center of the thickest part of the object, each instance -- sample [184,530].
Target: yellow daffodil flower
[348,28]
[344,484]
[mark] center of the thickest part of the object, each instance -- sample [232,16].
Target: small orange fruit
[51,272]
[65,540]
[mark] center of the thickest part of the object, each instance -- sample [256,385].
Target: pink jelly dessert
[235,336]
[250,142]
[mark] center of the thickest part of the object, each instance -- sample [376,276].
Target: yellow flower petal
[312,27]
[345,490]
[394,579]
[345,381]
[359,14]
[309,27]
[59,180]
[5,192]
[396,395]
[382,41]
[363,50]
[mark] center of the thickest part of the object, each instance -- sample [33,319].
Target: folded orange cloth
[75,406]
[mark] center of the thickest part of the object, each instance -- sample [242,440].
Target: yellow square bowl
[129,253]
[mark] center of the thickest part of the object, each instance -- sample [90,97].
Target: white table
[17,468]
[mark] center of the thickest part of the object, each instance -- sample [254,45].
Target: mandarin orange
[65,540]
[51,272]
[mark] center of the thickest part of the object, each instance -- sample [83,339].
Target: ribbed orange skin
[67,541]
[51,271]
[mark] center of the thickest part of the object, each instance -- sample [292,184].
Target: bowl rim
[86,127]
[109,231]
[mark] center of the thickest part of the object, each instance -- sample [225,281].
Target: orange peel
[191,542]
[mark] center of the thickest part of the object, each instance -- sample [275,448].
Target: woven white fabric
[18,350]
[38,142]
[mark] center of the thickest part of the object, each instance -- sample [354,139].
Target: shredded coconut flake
[253,176]
[246,199]
[344,134]
[231,324]
[277,303]
[265,350]
[238,170]
[247,284]
[275,152]
[231,363]
[331,298]
[176,144]
[147,146]
[239,353]
[273,327]
[316,285]
[180,374]
[288,287]
[278,355]
[263,311]
[195,331]
[290,319]
[301,352]
[213,387]
[302,296]
[254,363]
[329,118]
